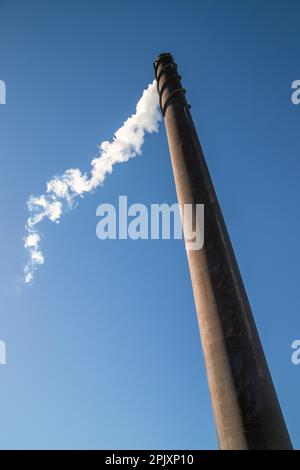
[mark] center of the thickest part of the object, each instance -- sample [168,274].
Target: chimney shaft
[246,409]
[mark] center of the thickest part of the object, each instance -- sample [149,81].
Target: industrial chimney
[246,409]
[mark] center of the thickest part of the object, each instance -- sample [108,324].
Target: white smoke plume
[62,191]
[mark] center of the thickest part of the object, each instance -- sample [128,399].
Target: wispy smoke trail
[62,191]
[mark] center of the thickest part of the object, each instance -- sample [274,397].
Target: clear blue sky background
[104,351]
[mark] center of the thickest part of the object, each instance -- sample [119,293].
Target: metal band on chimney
[164,86]
[167,71]
[170,96]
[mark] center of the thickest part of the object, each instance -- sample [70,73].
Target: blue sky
[103,351]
